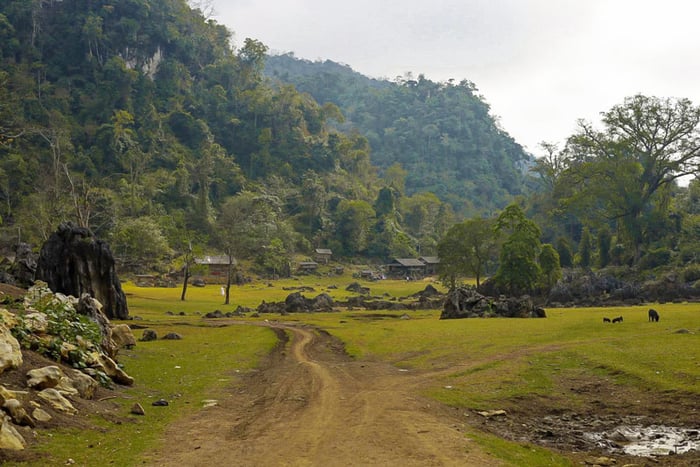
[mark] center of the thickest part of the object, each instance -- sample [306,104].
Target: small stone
[148,335]
[137,409]
[172,336]
[160,403]
[41,415]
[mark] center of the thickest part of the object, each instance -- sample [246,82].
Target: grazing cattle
[617,320]
[606,320]
[653,315]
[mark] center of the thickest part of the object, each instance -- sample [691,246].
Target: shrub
[655,258]
[691,273]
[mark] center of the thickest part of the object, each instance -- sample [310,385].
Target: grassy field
[478,363]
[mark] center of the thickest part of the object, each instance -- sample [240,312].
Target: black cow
[606,320]
[653,315]
[617,320]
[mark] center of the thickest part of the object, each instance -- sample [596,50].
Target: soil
[311,404]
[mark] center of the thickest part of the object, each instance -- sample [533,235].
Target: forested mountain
[441,133]
[137,119]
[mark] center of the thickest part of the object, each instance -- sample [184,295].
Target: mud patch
[647,441]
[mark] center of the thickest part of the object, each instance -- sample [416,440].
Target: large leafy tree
[518,271]
[466,250]
[623,172]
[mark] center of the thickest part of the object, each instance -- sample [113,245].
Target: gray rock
[149,335]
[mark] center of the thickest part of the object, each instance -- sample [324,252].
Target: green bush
[655,258]
[691,273]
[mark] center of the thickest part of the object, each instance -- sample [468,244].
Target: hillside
[442,134]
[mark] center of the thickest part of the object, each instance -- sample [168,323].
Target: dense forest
[140,120]
[441,134]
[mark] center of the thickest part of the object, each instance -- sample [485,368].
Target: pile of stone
[89,344]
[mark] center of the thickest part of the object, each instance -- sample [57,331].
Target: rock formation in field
[466,302]
[74,262]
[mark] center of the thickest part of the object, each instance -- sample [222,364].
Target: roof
[430,259]
[409,262]
[308,264]
[218,260]
[323,251]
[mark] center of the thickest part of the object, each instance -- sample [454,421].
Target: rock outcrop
[466,302]
[74,262]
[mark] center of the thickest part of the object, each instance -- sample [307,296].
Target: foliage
[549,265]
[518,270]
[64,325]
[466,250]
[625,173]
[441,135]
[585,249]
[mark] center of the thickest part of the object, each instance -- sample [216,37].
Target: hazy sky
[540,64]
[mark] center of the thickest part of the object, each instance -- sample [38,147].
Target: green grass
[485,362]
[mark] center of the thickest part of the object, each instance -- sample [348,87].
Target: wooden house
[431,264]
[323,255]
[215,265]
[307,266]
[406,267]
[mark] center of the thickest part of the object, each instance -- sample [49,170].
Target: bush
[691,273]
[655,258]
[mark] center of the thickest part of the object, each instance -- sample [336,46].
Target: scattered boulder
[137,409]
[17,413]
[357,288]
[172,336]
[110,368]
[41,415]
[149,335]
[215,314]
[160,403]
[24,266]
[56,400]
[84,384]
[123,337]
[42,378]
[74,262]
[9,436]
[92,308]
[297,303]
[10,351]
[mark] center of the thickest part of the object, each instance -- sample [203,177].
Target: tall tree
[466,249]
[618,173]
[518,271]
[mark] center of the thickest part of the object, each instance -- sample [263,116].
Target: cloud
[541,64]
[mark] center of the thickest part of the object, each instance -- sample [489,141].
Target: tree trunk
[184,282]
[228,278]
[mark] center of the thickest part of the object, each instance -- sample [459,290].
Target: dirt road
[312,405]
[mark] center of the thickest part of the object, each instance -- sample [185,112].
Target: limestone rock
[73,261]
[37,322]
[85,385]
[10,351]
[111,369]
[41,415]
[137,409]
[57,401]
[42,378]
[65,387]
[149,335]
[122,336]
[92,308]
[17,412]
[173,336]
[7,318]
[9,436]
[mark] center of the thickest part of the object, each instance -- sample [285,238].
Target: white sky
[540,64]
